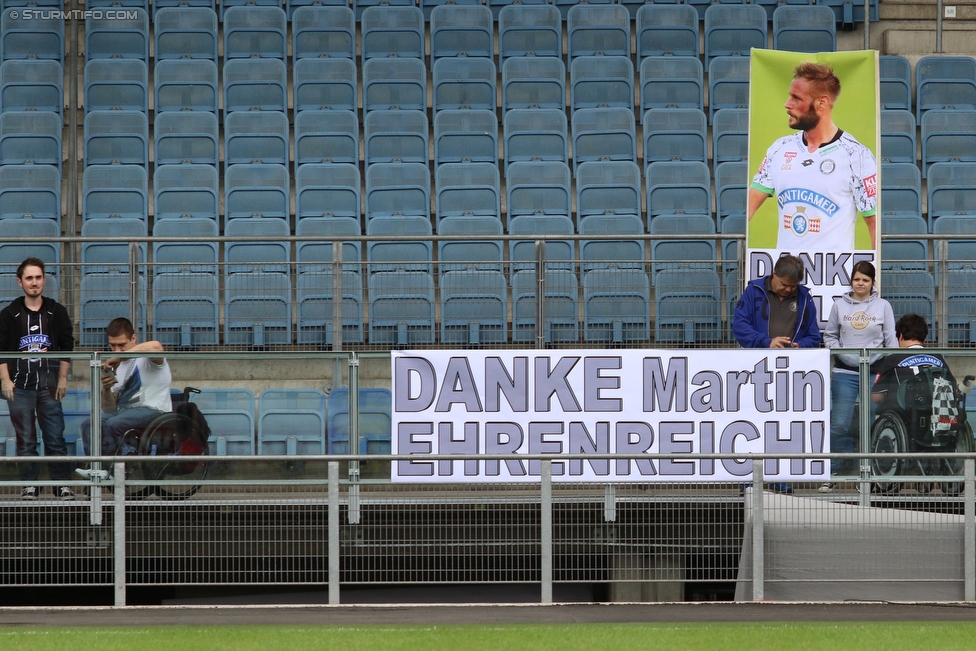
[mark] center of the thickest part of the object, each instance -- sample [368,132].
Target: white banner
[636,402]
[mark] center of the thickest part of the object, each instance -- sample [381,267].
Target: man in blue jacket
[777,311]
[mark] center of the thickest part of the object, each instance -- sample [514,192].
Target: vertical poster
[819,200]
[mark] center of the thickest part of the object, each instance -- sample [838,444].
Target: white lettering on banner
[590,402]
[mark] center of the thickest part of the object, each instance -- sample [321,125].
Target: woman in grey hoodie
[858,319]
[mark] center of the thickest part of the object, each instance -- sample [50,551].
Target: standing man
[777,311]
[34,387]
[822,177]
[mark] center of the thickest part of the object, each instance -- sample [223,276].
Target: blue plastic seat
[397,190]
[849,13]
[482,250]
[536,134]
[32,85]
[115,191]
[291,421]
[30,192]
[679,187]
[560,323]
[728,84]
[104,296]
[733,252]
[497,6]
[464,83]
[397,254]
[627,251]
[961,306]
[961,249]
[732,30]
[183,137]
[30,137]
[465,135]
[799,28]
[529,30]
[185,310]
[599,81]
[257,309]
[255,84]
[116,138]
[30,38]
[731,179]
[473,308]
[905,253]
[950,190]
[533,82]
[604,187]
[558,253]
[945,82]
[687,307]
[674,254]
[671,82]
[947,137]
[538,188]
[185,32]
[328,190]
[111,36]
[256,137]
[395,136]
[104,256]
[730,135]
[270,255]
[667,29]
[616,306]
[467,189]
[911,291]
[392,31]
[256,190]
[230,415]
[374,420]
[360,6]
[255,31]
[320,30]
[39,230]
[185,85]
[401,308]
[186,191]
[604,134]
[394,83]
[901,190]
[675,134]
[316,255]
[325,84]
[181,257]
[461,30]
[112,84]
[326,137]
[315,297]
[598,29]
[895,78]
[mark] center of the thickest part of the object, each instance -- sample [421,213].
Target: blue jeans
[31,408]
[844,389]
[115,425]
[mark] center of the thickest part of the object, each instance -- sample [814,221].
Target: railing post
[95,438]
[864,425]
[354,438]
[540,294]
[337,311]
[119,537]
[545,505]
[333,532]
[969,535]
[758,544]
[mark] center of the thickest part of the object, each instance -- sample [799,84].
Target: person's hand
[62,388]
[108,378]
[8,389]
[112,362]
[782,342]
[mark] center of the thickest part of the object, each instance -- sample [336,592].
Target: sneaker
[64,493]
[826,487]
[29,493]
[87,473]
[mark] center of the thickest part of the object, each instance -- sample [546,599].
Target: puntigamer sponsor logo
[29,13]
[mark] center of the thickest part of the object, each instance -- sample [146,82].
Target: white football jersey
[819,194]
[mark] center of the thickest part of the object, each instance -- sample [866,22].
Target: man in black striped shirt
[34,387]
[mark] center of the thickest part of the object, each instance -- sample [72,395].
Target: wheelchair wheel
[888,436]
[965,443]
[176,436]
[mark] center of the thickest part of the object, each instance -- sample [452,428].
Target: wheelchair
[903,425]
[181,434]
